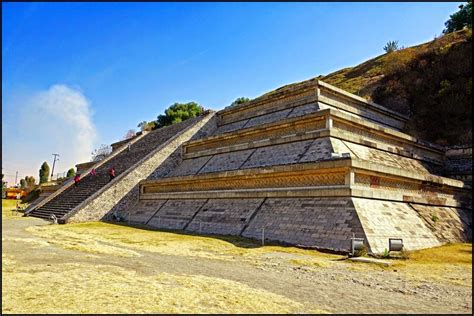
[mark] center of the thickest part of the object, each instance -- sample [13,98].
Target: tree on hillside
[240,101]
[130,134]
[44,173]
[391,46]
[100,153]
[147,126]
[435,90]
[70,173]
[459,20]
[179,112]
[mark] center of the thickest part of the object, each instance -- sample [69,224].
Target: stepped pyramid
[307,164]
[134,160]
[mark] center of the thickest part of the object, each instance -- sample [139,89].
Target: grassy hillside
[430,82]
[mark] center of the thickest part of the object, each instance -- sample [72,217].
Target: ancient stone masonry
[308,165]
[95,196]
[311,165]
[459,164]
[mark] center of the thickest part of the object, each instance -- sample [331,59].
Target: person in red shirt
[77,178]
[111,173]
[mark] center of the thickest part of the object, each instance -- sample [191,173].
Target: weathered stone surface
[227,161]
[448,224]
[278,154]
[320,149]
[458,164]
[382,220]
[102,203]
[268,118]
[128,201]
[321,222]
[304,110]
[227,128]
[141,212]
[190,166]
[311,165]
[389,159]
[224,216]
[176,214]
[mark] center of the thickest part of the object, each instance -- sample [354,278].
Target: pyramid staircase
[69,197]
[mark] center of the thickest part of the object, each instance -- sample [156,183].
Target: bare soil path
[106,268]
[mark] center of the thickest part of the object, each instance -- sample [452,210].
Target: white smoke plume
[58,120]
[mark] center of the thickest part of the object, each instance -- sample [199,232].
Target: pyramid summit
[307,164]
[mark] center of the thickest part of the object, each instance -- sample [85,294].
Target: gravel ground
[314,281]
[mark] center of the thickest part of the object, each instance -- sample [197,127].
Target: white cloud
[57,120]
[69,109]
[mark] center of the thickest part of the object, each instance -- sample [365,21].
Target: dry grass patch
[83,288]
[451,263]
[8,206]
[95,237]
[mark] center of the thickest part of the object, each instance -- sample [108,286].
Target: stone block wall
[226,161]
[164,169]
[322,222]
[281,154]
[142,211]
[224,216]
[448,224]
[458,164]
[176,214]
[382,220]
[389,159]
[124,189]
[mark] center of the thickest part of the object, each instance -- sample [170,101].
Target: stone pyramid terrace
[308,165]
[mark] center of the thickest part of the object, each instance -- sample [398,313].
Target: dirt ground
[107,268]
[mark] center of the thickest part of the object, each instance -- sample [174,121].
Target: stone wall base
[322,222]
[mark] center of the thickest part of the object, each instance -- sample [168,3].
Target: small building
[12,193]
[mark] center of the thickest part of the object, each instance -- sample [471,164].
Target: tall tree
[30,182]
[27,183]
[44,173]
[179,112]
[70,173]
[459,20]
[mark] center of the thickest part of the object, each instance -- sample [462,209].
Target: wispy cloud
[72,111]
[56,120]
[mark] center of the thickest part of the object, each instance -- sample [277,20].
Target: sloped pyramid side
[339,167]
[96,194]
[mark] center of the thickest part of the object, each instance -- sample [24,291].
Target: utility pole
[16,177]
[54,162]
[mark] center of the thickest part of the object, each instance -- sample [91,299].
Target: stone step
[46,209]
[65,201]
[42,215]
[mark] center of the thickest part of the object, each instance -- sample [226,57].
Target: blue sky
[76,75]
